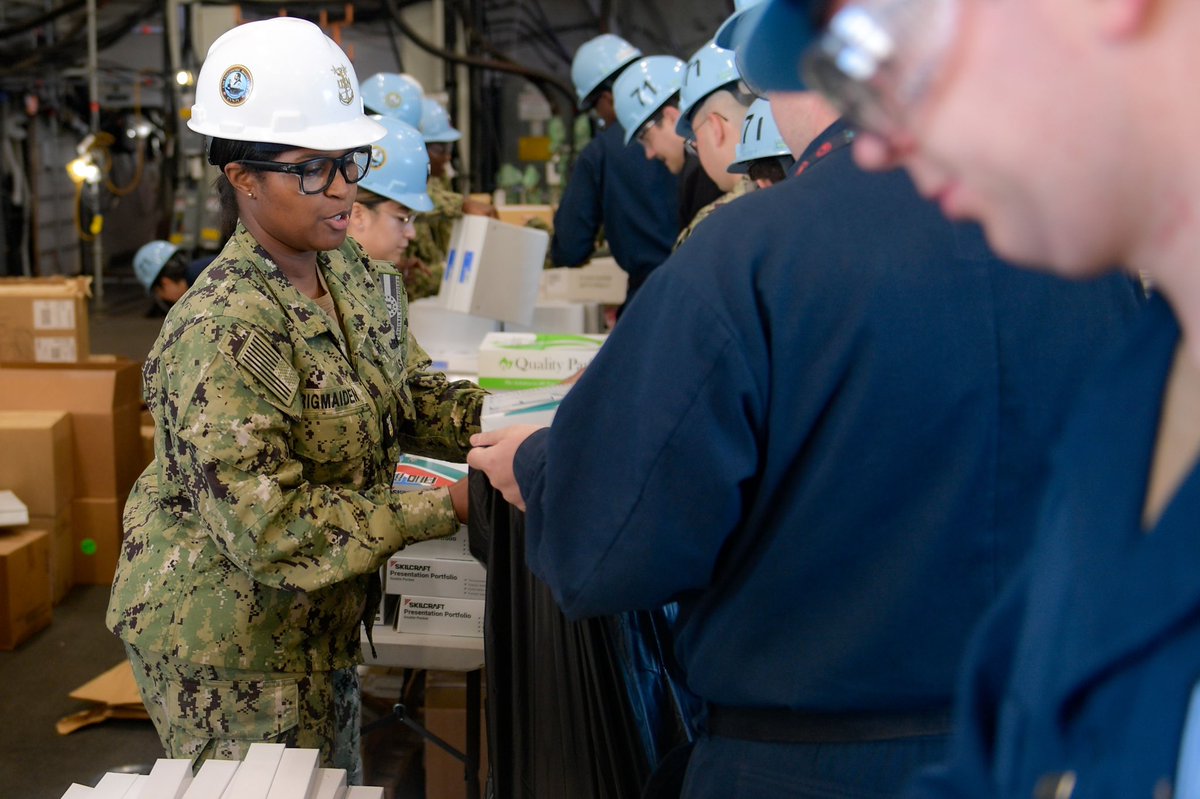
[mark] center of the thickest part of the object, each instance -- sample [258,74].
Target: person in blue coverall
[822,429]
[613,186]
[1083,679]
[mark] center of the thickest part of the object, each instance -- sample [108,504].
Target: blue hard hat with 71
[760,137]
[643,89]
[709,69]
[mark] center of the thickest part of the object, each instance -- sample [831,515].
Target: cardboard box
[96,537]
[62,550]
[524,214]
[104,400]
[440,577]
[530,406]
[493,269]
[440,616]
[416,473]
[44,319]
[25,606]
[600,280]
[446,717]
[42,474]
[510,361]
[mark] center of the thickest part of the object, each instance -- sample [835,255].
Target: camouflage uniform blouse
[253,539]
[744,186]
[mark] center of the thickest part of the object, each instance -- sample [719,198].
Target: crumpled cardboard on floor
[114,695]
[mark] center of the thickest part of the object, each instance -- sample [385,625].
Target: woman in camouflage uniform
[283,390]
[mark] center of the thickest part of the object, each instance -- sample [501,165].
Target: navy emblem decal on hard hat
[378,157]
[345,87]
[236,84]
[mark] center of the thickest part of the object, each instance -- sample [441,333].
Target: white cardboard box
[600,281]
[528,406]
[415,473]
[510,361]
[440,616]
[440,577]
[496,269]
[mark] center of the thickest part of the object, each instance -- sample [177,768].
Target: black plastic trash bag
[574,709]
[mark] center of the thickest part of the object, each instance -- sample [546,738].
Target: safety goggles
[878,58]
[316,174]
[689,143]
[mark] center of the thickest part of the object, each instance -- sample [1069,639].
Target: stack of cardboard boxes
[72,448]
[435,587]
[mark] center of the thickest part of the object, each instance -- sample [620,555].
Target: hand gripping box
[414,473]
[510,361]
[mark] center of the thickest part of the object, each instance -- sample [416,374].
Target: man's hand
[493,455]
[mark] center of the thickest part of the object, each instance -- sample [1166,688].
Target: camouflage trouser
[202,712]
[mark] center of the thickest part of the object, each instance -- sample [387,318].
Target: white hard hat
[281,81]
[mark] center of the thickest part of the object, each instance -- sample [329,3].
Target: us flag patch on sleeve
[264,362]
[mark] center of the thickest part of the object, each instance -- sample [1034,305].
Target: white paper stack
[331,784]
[168,779]
[296,774]
[212,779]
[256,773]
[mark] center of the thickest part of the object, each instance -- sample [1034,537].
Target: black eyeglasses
[316,174]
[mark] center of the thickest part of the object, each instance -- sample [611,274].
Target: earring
[250,194]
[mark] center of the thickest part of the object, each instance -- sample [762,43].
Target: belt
[779,725]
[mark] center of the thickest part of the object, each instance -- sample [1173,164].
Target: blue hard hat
[770,41]
[727,33]
[710,68]
[760,137]
[393,95]
[599,59]
[400,166]
[150,259]
[644,88]
[435,123]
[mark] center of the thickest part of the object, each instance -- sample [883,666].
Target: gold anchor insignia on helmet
[378,157]
[393,99]
[345,87]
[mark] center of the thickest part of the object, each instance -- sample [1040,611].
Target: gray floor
[37,763]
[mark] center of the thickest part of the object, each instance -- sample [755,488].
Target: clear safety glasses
[878,58]
[316,174]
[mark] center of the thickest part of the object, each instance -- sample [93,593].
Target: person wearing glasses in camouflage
[284,387]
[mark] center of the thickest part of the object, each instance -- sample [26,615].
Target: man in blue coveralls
[824,432]
[611,185]
[1076,148]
